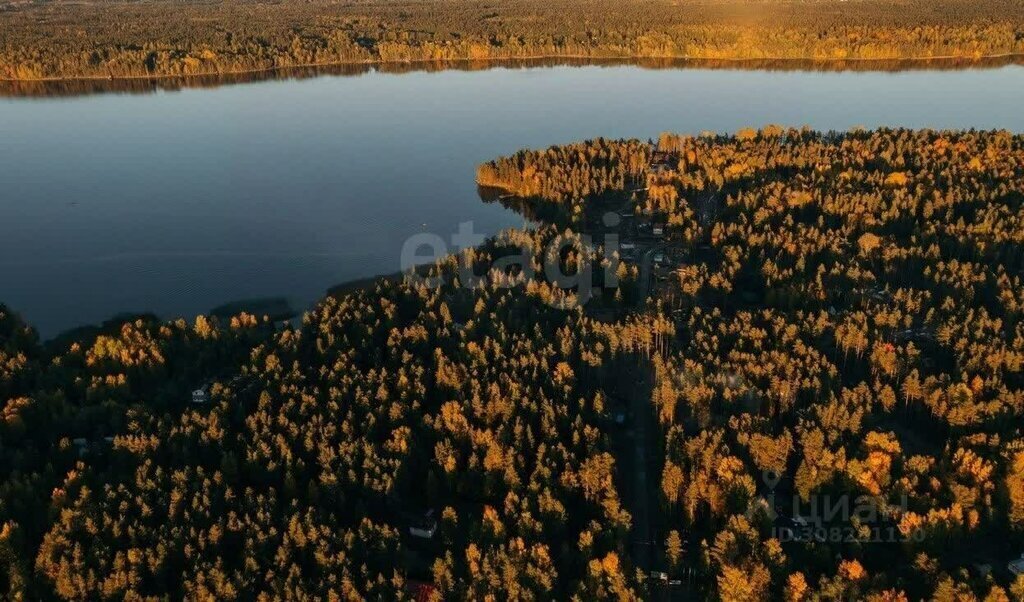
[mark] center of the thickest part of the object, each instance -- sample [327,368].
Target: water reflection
[177,203]
[86,86]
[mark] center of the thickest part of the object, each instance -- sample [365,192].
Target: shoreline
[277,308]
[531,58]
[29,87]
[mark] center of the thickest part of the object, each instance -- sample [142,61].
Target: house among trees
[1016,566]
[201,395]
[421,592]
[423,526]
[82,445]
[983,570]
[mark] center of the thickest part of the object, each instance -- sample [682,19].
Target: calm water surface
[179,201]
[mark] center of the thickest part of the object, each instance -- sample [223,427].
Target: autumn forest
[60,39]
[798,375]
[769,363]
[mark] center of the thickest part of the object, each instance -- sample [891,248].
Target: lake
[175,202]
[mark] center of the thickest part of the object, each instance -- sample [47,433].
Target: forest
[825,375]
[60,39]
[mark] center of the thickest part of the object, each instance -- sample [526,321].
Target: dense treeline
[566,179]
[322,444]
[859,333]
[848,326]
[158,38]
[842,324]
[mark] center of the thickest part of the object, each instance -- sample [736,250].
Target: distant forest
[61,39]
[806,322]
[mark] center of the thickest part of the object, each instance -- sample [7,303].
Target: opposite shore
[597,59]
[85,84]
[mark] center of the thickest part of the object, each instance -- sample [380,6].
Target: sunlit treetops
[847,319]
[44,40]
[301,471]
[840,320]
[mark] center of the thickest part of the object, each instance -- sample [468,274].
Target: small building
[1016,566]
[658,230]
[424,526]
[419,591]
[201,395]
[82,445]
